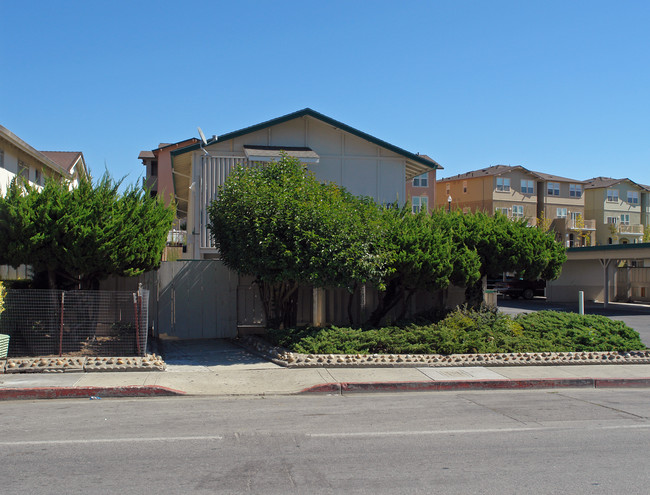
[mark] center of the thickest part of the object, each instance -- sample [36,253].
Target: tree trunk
[280,303]
[474,294]
[350,303]
[51,279]
[387,301]
[405,306]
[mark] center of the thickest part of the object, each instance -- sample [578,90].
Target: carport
[592,270]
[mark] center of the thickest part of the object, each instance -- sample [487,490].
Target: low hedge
[468,331]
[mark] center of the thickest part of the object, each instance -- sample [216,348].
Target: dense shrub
[466,331]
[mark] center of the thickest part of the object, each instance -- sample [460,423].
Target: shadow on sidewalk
[206,353]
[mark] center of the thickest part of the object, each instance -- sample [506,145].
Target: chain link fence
[76,323]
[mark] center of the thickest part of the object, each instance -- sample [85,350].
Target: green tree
[279,224]
[506,245]
[75,237]
[421,258]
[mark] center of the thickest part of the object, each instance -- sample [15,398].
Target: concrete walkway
[221,368]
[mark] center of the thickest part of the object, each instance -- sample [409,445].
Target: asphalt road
[573,441]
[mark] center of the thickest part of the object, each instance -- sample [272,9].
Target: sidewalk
[220,368]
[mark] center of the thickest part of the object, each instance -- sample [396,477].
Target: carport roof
[611,251]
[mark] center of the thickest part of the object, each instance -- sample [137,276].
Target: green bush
[469,331]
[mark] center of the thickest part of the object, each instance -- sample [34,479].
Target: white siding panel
[323,138]
[223,146]
[360,177]
[259,138]
[359,147]
[392,185]
[327,170]
[290,133]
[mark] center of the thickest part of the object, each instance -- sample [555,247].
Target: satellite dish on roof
[205,142]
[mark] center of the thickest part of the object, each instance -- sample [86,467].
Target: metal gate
[196,300]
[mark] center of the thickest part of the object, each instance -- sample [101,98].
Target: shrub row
[468,331]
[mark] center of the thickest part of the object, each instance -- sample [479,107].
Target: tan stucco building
[517,192]
[620,207]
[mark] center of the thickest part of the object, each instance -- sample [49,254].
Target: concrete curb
[87,392]
[460,385]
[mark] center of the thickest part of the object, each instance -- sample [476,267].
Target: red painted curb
[524,384]
[622,382]
[86,392]
[325,388]
[540,383]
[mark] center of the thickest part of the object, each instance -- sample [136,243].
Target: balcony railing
[176,237]
[574,224]
[631,229]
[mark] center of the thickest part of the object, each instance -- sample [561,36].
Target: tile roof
[493,170]
[598,182]
[502,169]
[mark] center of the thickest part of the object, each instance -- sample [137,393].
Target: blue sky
[561,87]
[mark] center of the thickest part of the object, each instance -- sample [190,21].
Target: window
[503,211]
[575,190]
[503,184]
[421,180]
[518,211]
[464,187]
[23,170]
[575,216]
[38,177]
[625,219]
[612,195]
[154,168]
[553,188]
[447,188]
[612,220]
[561,213]
[2,159]
[527,187]
[633,197]
[419,203]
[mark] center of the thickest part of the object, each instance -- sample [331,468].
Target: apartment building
[520,193]
[421,190]
[17,158]
[158,165]
[620,207]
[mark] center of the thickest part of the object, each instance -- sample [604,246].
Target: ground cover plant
[468,331]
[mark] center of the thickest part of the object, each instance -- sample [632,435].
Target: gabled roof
[599,182]
[493,170]
[420,159]
[146,154]
[503,169]
[67,159]
[35,154]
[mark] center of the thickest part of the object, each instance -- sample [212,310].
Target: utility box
[490,298]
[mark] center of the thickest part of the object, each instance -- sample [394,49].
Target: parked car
[518,287]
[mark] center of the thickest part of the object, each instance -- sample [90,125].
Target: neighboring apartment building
[17,158]
[520,193]
[421,190]
[620,207]
[158,163]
